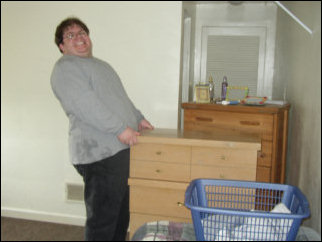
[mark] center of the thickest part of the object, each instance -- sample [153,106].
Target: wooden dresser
[269,122]
[165,161]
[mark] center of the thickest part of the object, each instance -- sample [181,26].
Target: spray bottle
[224,85]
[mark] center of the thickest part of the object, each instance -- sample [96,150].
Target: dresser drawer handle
[180,204]
[158,152]
[204,119]
[223,157]
[157,171]
[253,123]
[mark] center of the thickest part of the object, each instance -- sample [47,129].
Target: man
[103,124]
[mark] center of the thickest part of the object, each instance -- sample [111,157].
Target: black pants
[106,197]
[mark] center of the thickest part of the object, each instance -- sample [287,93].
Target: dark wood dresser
[269,122]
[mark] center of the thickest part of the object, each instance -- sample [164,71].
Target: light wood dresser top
[216,138]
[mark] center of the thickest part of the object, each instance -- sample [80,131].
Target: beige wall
[141,40]
[298,71]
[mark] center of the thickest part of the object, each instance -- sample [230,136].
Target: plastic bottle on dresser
[224,85]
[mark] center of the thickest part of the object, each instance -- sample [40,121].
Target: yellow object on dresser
[165,161]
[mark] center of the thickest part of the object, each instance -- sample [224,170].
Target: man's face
[76,42]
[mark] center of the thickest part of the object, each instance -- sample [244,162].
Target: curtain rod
[294,17]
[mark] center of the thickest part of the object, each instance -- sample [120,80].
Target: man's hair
[64,25]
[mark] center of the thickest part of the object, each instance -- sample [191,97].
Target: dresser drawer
[215,163]
[265,155]
[161,152]
[222,172]
[264,174]
[261,124]
[158,198]
[159,170]
[223,157]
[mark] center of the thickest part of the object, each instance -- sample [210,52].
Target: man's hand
[144,124]
[129,136]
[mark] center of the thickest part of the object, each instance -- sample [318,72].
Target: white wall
[141,40]
[298,71]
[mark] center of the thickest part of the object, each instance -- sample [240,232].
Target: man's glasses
[72,35]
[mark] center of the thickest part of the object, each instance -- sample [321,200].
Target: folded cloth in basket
[225,227]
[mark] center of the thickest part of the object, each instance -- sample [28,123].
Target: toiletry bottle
[211,88]
[224,85]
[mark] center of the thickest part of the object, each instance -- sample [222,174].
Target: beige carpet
[27,230]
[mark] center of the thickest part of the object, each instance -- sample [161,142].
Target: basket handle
[188,195]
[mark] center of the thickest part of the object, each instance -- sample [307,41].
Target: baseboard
[43,216]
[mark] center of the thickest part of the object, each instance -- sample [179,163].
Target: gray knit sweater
[98,108]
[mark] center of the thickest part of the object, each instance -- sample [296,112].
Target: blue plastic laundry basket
[241,210]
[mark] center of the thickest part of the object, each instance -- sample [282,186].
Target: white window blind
[236,52]
[235,57]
